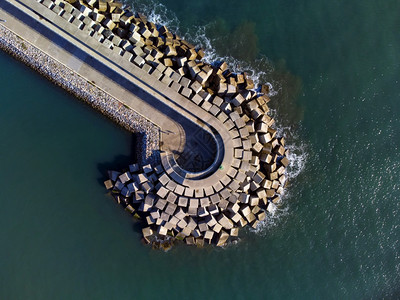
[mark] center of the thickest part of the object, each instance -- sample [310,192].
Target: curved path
[176,116]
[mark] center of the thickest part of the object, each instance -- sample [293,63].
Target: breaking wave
[259,71]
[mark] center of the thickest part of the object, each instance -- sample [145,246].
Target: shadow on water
[137,225]
[241,43]
[121,162]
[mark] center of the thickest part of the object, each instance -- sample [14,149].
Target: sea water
[333,68]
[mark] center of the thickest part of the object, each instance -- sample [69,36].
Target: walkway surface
[186,129]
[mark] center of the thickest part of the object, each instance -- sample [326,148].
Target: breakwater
[246,177]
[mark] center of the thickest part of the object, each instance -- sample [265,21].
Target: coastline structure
[219,166]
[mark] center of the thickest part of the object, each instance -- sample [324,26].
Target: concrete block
[155,213]
[238,153]
[164,216]
[215,199]
[223,204]
[139,61]
[170,209]
[183,201]
[214,110]
[194,202]
[138,51]
[186,92]
[245,210]
[125,192]
[196,233]
[254,224]
[196,87]
[222,89]
[164,179]
[185,82]
[179,213]
[233,198]
[213,209]
[206,105]
[231,90]
[261,193]
[282,179]
[218,186]
[108,184]
[182,224]
[167,80]
[162,230]
[244,198]
[217,227]
[257,147]
[189,192]
[186,231]
[190,240]
[139,196]
[150,220]
[254,200]
[162,192]
[118,185]
[225,193]
[169,226]
[160,204]
[197,99]
[171,198]
[209,234]
[210,220]
[275,184]
[170,51]
[202,77]
[234,185]
[237,100]
[176,86]
[157,74]
[194,71]
[191,224]
[202,212]
[242,222]
[222,239]
[147,231]
[208,191]
[202,226]
[235,217]
[234,231]
[217,101]
[192,211]
[204,202]
[174,220]
[179,190]
[145,32]
[284,161]
[250,217]
[149,201]
[261,215]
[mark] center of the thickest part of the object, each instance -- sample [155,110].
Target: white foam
[257,71]
[156,12]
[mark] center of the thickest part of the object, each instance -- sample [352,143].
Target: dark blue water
[334,67]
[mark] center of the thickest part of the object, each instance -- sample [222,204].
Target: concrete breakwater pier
[221,164]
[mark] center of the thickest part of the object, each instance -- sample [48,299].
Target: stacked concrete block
[255,180]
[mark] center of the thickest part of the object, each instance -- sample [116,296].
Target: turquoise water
[335,68]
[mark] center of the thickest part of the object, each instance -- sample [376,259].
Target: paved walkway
[177,117]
